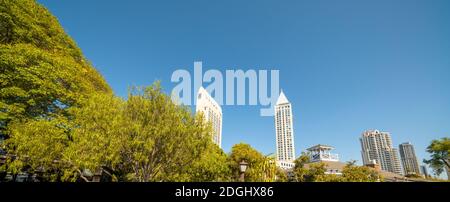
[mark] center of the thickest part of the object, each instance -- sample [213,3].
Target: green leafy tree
[260,168]
[439,159]
[161,138]
[64,150]
[353,173]
[330,178]
[315,172]
[37,146]
[97,137]
[146,138]
[304,171]
[270,169]
[212,166]
[243,152]
[300,172]
[43,72]
[281,175]
[265,169]
[302,160]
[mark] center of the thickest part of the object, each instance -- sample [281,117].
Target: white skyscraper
[284,130]
[212,112]
[377,146]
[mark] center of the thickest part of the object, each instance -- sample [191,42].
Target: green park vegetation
[316,172]
[61,121]
[439,155]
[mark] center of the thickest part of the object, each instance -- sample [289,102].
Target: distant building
[409,159]
[377,146]
[322,154]
[424,171]
[284,130]
[390,176]
[212,112]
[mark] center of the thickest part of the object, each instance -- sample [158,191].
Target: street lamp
[242,167]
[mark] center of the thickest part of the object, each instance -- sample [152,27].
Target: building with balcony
[322,154]
[376,145]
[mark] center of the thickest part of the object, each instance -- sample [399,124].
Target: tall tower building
[212,112]
[424,171]
[377,146]
[409,159]
[284,130]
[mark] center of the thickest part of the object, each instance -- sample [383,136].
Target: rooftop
[282,99]
[320,147]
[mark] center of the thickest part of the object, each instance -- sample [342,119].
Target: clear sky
[346,66]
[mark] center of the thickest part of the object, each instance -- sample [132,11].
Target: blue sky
[346,66]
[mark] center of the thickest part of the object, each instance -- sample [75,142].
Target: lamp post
[242,167]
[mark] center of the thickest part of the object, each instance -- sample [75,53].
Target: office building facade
[212,112]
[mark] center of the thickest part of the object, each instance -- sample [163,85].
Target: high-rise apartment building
[409,159]
[424,171]
[284,130]
[212,112]
[377,146]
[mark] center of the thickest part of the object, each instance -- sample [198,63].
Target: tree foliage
[439,155]
[144,138]
[43,72]
[315,172]
[212,166]
[300,172]
[281,175]
[97,134]
[353,173]
[38,146]
[162,138]
[260,168]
